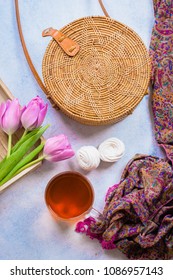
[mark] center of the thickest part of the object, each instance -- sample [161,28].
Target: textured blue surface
[27,229]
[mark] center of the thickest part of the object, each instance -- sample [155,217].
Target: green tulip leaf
[16,156]
[23,164]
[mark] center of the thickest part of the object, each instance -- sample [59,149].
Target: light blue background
[27,231]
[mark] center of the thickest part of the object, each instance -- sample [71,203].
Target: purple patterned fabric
[161,53]
[138,213]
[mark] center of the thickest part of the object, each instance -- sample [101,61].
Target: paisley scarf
[138,214]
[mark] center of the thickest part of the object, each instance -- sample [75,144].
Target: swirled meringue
[88,157]
[111,149]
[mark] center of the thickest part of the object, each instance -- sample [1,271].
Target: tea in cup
[69,195]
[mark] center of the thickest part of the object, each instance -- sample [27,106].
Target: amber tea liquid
[69,195]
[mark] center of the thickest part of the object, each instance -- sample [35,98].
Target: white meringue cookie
[111,149]
[88,157]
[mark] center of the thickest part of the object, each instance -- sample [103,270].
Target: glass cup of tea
[69,196]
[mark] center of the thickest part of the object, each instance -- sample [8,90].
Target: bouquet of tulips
[22,155]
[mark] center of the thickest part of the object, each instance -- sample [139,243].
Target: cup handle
[94,213]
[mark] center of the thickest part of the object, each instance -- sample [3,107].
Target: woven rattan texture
[106,80]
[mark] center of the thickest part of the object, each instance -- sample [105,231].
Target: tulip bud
[57,148]
[10,114]
[34,114]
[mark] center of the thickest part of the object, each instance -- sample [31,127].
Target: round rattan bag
[107,78]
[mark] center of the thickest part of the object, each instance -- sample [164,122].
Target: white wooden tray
[4,95]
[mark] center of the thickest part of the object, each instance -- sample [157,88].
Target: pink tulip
[10,114]
[57,148]
[34,114]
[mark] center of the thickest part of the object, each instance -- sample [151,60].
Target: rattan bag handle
[103,8]
[28,58]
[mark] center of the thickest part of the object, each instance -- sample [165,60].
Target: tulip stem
[9,145]
[23,139]
[25,132]
[29,164]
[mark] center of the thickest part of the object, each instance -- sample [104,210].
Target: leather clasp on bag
[69,46]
